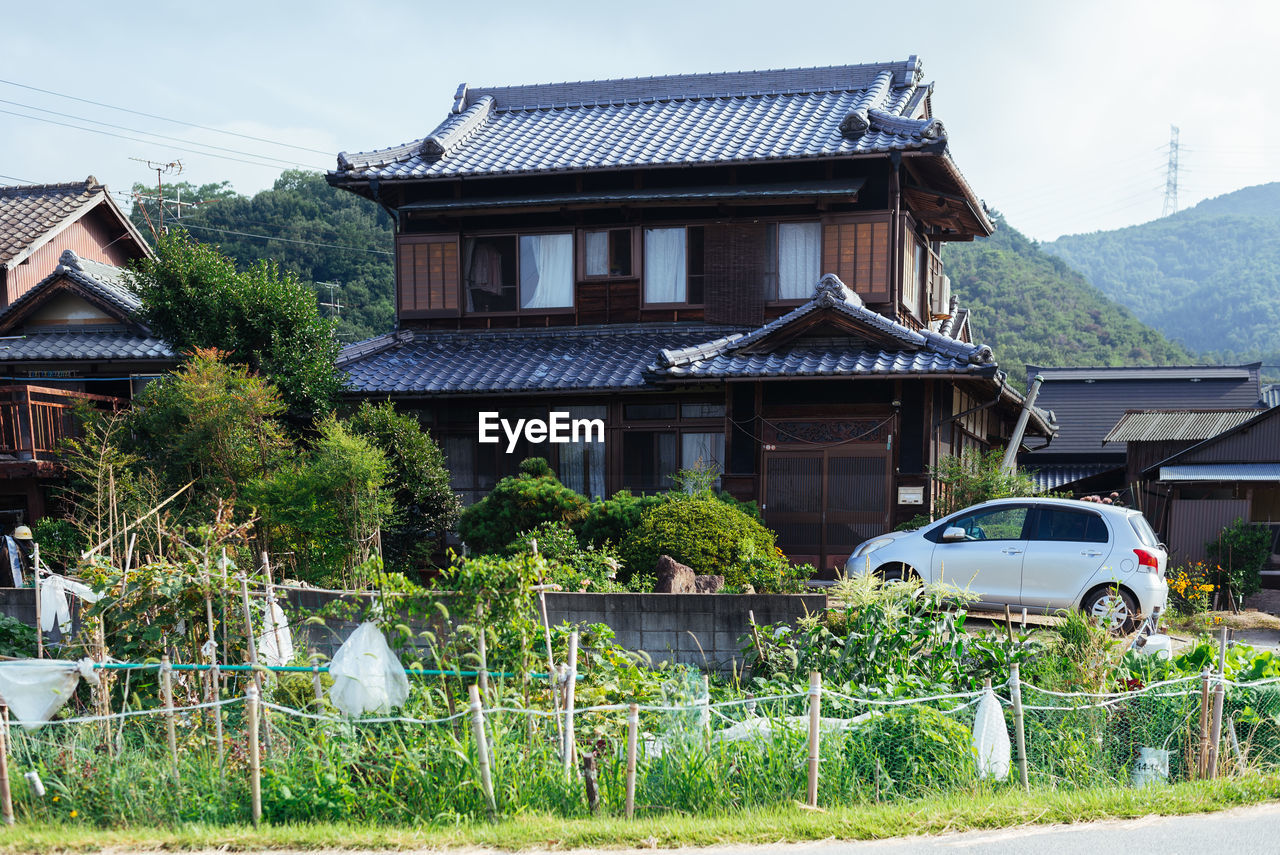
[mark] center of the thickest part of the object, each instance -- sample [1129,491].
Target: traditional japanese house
[742,269]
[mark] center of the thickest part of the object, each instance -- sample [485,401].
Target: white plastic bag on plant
[367,676]
[1151,767]
[991,738]
[35,689]
[275,645]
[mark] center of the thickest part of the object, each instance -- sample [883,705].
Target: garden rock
[674,577]
[708,584]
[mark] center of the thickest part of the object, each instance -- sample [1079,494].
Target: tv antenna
[335,298]
[1171,175]
[162,169]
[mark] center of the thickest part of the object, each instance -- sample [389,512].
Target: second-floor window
[511,273]
[606,254]
[793,260]
[673,265]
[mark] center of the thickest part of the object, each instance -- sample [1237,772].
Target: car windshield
[1143,530]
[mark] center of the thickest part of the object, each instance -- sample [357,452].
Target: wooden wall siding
[1257,444]
[734,281]
[89,237]
[859,254]
[428,274]
[1193,522]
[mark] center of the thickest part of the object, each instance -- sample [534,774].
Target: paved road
[1242,831]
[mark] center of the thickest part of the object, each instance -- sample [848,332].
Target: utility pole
[1171,175]
[175,167]
[335,298]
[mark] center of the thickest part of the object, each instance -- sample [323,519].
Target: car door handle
[1090,553]
[1011,550]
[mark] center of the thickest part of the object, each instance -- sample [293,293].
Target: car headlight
[871,546]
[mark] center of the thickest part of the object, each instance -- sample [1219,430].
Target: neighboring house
[1208,485]
[1271,395]
[648,252]
[73,337]
[38,222]
[1089,402]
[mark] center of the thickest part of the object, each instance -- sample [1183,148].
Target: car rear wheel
[1114,608]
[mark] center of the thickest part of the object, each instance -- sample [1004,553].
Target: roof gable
[1252,441]
[32,215]
[101,285]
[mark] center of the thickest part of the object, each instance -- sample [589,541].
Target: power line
[135,139]
[166,118]
[289,240]
[147,133]
[19,180]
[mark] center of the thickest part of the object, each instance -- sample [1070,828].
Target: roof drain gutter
[1010,463]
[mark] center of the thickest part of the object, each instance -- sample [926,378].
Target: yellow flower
[74,814]
[56,798]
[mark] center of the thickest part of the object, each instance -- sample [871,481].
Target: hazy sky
[1057,113]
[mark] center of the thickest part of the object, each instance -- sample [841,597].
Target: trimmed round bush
[701,531]
[518,504]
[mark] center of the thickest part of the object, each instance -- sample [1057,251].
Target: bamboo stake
[1015,693]
[145,516]
[35,576]
[482,747]
[6,796]
[551,659]
[166,692]
[482,650]
[755,636]
[103,689]
[569,746]
[275,626]
[815,720]
[215,688]
[1202,757]
[248,630]
[316,682]
[255,756]
[633,725]
[1219,691]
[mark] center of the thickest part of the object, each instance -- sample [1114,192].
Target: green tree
[263,318]
[975,477]
[517,504]
[1239,552]
[426,508]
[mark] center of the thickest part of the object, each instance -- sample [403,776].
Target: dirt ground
[1265,601]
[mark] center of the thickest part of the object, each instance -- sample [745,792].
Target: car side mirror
[954,533]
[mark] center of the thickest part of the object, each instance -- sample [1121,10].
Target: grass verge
[985,810]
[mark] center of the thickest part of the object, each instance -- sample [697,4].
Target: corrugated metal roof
[1175,425]
[30,212]
[1051,477]
[1271,395]
[667,121]
[1222,472]
[533,360]
[83,345]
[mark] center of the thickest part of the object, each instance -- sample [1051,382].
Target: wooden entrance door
[823,503]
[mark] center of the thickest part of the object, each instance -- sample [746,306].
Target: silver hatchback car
[1039,554]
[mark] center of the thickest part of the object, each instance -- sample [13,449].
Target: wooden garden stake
[755,635]
[482,747]
[166,692]
[482,650]
[6,797]
[255,757]
[815,720]
[567,748]
[316,682]
[633,726]
[248,631]
[1219,691]
[1020,736]
[215,689]
[1202,758]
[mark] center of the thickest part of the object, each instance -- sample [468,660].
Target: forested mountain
[321,234]
[1208,277]
[1032,307]
[1029,306]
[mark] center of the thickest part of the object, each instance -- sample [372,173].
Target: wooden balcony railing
[35,419]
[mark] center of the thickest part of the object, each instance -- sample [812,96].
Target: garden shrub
[60,542]
[573,566]
[701,531]
[611,520]
[1240,551]
[912,751]
[17,639]
[517,504]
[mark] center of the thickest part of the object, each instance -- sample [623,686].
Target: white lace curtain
[596,248]
[664,266]
[582,463]
[546,271]
[799,259]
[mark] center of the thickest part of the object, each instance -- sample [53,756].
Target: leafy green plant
[515,505]
[61,542]
[1240,551]
[612,519]
[975,477]
[701,531]
[912,750]
[17,639]
[573,566]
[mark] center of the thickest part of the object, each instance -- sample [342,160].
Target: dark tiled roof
[1171,425]
[29,212]
[533,360]
[678,120]
[922,351]
[104,281]
[83,345]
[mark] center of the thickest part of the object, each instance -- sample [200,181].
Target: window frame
[771,287]
[446,238]
[515,234]
[580,250]
[644,302]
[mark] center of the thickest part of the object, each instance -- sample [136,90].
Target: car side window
[1065,524]
[992,524]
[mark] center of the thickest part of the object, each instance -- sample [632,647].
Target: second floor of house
[545,205]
